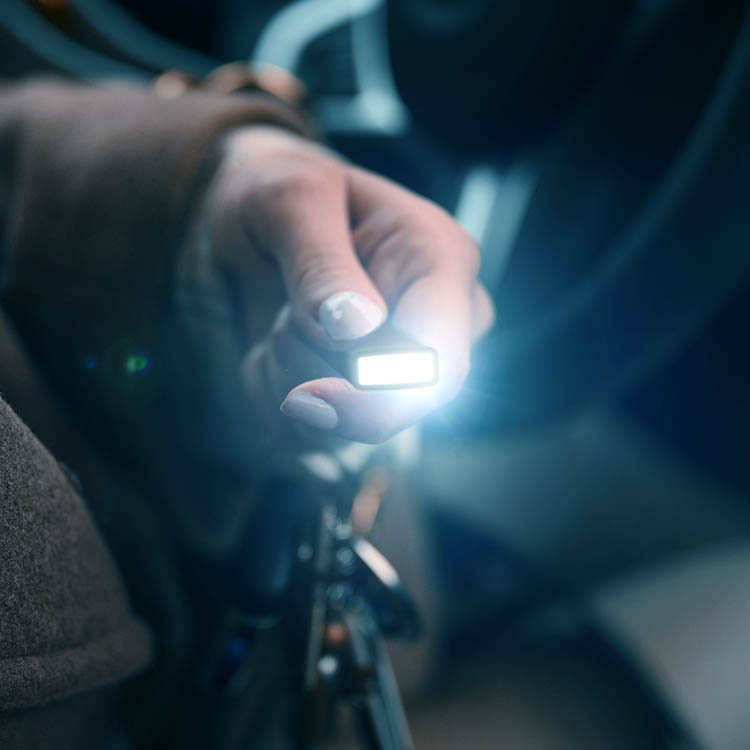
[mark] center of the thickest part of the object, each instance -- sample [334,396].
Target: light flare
[396,369]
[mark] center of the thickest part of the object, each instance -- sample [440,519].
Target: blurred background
[577,524]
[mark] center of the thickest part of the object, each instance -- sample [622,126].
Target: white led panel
[397,369]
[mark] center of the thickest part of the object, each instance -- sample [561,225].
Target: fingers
[425,268]
[326,402]
[335,406]
[352,247]
[299,215]
[273,367]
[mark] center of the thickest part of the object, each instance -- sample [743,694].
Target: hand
[291,223]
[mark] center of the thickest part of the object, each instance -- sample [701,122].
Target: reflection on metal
[377,562]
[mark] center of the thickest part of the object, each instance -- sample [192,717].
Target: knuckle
[317,274]
[296,177]
[448,242]
[304,179]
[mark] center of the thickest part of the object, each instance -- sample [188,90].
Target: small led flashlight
[386,359]
[399,369]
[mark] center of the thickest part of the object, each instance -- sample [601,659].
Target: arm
[147,247]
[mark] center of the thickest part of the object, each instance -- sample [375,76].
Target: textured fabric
[98,177]
[65,626]
[84,722]
[103,183]
[97,188]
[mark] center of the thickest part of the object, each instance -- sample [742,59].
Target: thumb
[305,226]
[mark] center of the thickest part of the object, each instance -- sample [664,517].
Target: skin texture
[290,225]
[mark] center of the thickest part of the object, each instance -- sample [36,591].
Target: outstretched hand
[332,251]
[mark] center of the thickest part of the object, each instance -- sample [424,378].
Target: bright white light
[396,369]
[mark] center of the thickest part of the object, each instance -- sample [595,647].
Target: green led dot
[136,363]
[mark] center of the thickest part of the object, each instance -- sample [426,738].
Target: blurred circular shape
[137,364]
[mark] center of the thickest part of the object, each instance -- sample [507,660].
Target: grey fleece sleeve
[99,185]
[65,625]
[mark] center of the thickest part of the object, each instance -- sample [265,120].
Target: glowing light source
[396,369]
[387,358]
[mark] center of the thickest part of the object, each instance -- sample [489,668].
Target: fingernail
[311,410]
[349,315]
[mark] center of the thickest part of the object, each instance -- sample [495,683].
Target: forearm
[98,185]
[96,180]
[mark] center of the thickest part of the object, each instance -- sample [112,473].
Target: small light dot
[136,364]
[327,665]
[305,552]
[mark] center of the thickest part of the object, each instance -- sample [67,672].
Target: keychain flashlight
[386,359]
